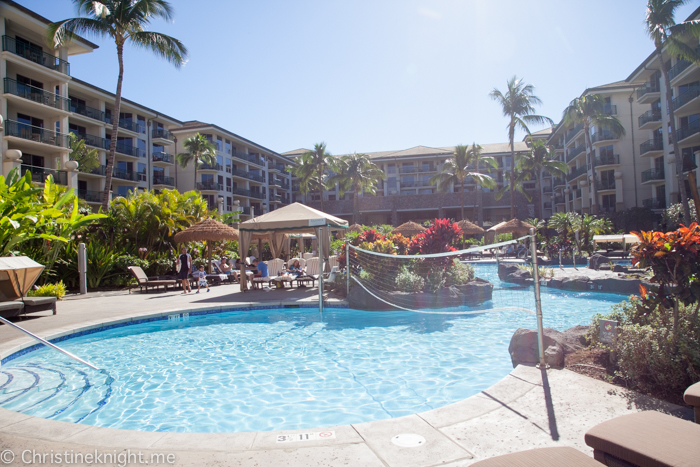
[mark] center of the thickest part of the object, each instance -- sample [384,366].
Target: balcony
[35,55]
[132,126]
[416,184]
[610,109]
[558,182]
[649,120]
[248,193]
[296,188]
[275,199]
[210,185]
[547,190]
[35,134]
[275,182]
[607,159]
[603,137]
[245,210]
[559,145]
[247,175]
[34,94]
[689,134]
[279,167]
[203,166]
[653,175]
[677,69]
[39,174]
[573,132]
[548,205]
[575,152]
[649,92]
[576,173]
[651,148]
[680,102]
[559,200]
[163,180]
[164,157]
[576,193]
[99,170]
[689,163]
[654,203]
[88,111]
[605,185]
[128,175]
[91,140]
[91,196]
[132,151]
[162,133]
[606,208]
[248,158]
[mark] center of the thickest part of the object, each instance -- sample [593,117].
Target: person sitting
[261,270]
[295,269]
[225,267]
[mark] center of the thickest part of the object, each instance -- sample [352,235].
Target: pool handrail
[49,344]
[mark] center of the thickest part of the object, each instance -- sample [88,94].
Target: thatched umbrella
[355,228]
[514,226]
[469,228]
[210,230]
[408,229]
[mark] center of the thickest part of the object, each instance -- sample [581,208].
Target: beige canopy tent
[208,230]
[17,275]
[625,239]
[295,218]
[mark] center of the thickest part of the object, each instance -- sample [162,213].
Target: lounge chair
[11,308]
[692,398]
[646,439]
[542,457]
[144,281]
[20,306]
[311,273]
[36,304]
[307,256]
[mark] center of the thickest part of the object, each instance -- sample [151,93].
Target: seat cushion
[650,439]
[10,309]
[543,457]
[38,301]
[692,395]
[160,282]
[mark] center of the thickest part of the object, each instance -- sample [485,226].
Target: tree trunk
[589,147]
[538,199]
[355,209]
[479,202]
[115,130]
[675,321]
[463,189]
[320,184]
[674,141]
[512,170]
[196,164]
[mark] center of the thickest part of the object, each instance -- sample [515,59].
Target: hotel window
[77,129]
[158,148]
[391,169]
[219,143]
[141,124]
[606,151]
[227,146]
[220,161]
[228,184]
[31,159]
[608,202]
[330,198]
[407,168]
[123,191]
[427,167]
[126,117]
[141,144]
[228,165]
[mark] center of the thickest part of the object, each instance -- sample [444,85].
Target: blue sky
[371,75]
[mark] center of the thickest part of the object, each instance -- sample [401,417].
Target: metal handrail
[49,344]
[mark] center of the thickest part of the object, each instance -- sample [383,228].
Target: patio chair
[302,262]
[333,261]
[143,280]
[645,439]
[692,398]
[311,274]
[307,255]
[11,308]
[542,457]
[37,304]
[259,281]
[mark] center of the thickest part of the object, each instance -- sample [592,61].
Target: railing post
[347,266]
[320,270]
[538,302]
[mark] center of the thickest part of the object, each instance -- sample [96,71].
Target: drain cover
[408,440]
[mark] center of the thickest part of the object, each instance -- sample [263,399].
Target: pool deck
[528,408]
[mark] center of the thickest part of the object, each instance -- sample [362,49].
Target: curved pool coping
[348,438]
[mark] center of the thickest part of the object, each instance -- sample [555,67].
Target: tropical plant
[573,228]
[199,149]
[409,281]
[672,217]
[311,170]
[667,35]
[57,290]
[438,238]
[590,111]
[123,21]
[538,160]
[518,105]
[87,159]
[464,164]
[356,172]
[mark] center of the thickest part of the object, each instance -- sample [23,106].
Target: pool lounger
[692,398]
[542,457]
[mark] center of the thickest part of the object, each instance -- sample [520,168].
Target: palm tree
[666,34]
[311,170]
[540,159]
[587,111]
[356,172]
[87,159]
[199,149]
[518,106]
[460,166]
[123,21]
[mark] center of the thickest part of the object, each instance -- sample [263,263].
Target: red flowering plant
[400,242]
[370,236]
[438,238]
[674,261]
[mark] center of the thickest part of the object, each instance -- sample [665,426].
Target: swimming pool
[284,368]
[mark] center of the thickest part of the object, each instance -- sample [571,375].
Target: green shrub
[124,261]
[459,273]
[57,290]
[408,281]
[161,266]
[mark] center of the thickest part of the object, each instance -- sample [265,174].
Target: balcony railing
[158,180]
[649,86]
[607,159]
[558,182]
[651,145]
[127,175]
[248,158]
[88,111]
[610,109]
[132,126]
[91,196]
[689,163]
[245,210]
[654,203]
[99,170]
[546,189]
[605,184]
[573,153]
[603,136]
[688,130]
[161,156]
[606,208]
[209,185]
[275,199]
[248,175]
[653,174]
[35,55]
[573,132]
[548,205]
[162,133]
[92,140]
[559,200]
[557,145]
[416,184]
[280,167]
[205,166]
[35,133]
[249,193]
[296,188]
[577,193]
[649,116]
[690,94]
[32,93]
[275,181]
[575,173]
[130,150]
[677,69]
[39,174]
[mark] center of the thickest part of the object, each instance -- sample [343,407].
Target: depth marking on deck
[305,437]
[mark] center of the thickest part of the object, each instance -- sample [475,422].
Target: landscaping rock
[576,282]
[523,347]
[604,267]
[475,292]
[598,260]
[619,268]
[509,272]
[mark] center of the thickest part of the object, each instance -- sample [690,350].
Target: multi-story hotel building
[42,103]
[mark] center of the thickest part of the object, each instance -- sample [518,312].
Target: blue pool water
[285,368]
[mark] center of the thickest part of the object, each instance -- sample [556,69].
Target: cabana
[625,239]
[295,218]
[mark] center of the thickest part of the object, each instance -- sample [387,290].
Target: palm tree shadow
[642,402]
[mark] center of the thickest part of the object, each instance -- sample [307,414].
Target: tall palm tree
[666,34]
[462,165]
[199,149]
[587,111]
[356,172]
[518,105]
[123,21]
[88,159]
[538,160]
[311,170]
